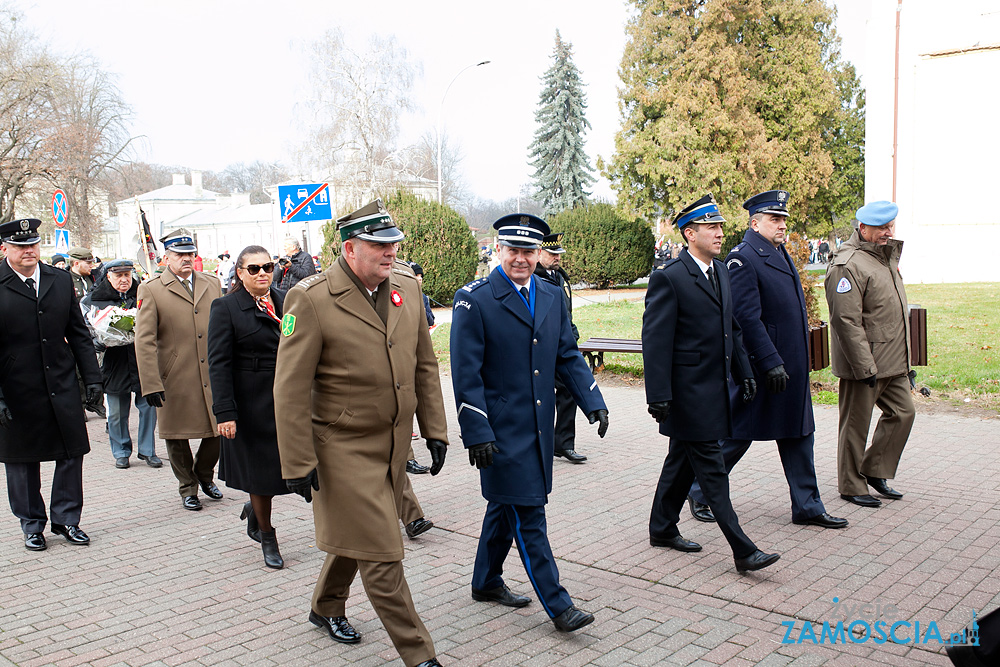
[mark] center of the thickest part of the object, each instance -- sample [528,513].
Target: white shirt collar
[36,276]
[701,265]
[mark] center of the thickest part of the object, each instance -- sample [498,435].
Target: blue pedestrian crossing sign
[62,241]
[304,203]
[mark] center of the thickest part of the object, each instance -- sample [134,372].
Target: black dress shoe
[211,490]
[430,663]
[823,520]
[121,462]
[758,560]
[884,489]
[678,543]
[191,503]
[701,511]
[571,455]
[418,527]
[73,534]
[415,468]
[503,595]
[572,619]
[864,501]
[253,528]
[152,461]
[338,626]
[34,542]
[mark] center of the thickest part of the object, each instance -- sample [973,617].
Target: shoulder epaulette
[841,256]
[475,284]
[403,269]
[660,267]
[309,281]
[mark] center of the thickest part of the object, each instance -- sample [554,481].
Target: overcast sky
[214,82]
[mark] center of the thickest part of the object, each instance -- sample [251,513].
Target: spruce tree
[562,171]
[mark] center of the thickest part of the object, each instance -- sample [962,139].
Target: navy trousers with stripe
[524,526]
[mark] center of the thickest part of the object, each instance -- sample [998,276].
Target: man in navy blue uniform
[691,343]
[510,338]
[768,303]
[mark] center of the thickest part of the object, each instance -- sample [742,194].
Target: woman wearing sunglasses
[243,336]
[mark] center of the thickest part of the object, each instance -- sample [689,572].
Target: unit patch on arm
[288,324]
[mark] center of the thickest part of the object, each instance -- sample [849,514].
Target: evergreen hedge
[602,247]
[437,238]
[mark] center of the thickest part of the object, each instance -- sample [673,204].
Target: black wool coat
[119,368]
[42,342]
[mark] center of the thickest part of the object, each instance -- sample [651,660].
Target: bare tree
[421,161]
[253,177]
[135,178]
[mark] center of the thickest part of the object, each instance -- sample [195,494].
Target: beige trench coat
[171,348]
[345,392]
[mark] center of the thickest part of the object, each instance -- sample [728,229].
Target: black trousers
[686,460]
[24,491]
[565,418]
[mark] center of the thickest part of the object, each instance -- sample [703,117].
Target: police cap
[21,232]
[772,201]
[521,230]
[553,243]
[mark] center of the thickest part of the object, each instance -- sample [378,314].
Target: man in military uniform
[770,307]
[355,363]
[171,348]
[870,353]
[42,340]
[549,270]
[81,266]
[510,338]
[691,345]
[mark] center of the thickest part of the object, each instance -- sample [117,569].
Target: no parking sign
[60,208]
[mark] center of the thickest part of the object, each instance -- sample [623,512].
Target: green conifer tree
[562,171]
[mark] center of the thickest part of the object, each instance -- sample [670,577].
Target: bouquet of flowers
[112,326]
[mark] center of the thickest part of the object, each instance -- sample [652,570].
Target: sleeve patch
[843,286]
[288,325]
[732,262]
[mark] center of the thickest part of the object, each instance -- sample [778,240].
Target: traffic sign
[302,203]
[60,209]
[62,241]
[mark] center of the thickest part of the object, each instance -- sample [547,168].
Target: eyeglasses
[254,269]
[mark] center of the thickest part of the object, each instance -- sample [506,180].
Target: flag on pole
[150,245]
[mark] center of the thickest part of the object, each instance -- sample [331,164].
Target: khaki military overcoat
[346,389]
[869,314]
[171,349]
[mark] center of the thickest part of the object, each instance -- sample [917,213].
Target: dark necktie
[187,286]
[714,282]
[524,293]
[30,282]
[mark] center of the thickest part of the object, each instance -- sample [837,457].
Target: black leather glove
[95,394]
[870,381]
[749,390]
[777,379]
[155,399]
[438,449]
[304,485]
[913,379]
[599,416]
[5,415]
[481,455]
[659,410]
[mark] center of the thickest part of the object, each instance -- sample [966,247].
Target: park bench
[594,349]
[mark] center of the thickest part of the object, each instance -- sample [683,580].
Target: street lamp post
[441,116]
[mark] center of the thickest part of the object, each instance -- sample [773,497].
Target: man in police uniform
[691,344]
[510,338]
[355,363]
[870,353]
[171,349]
[770,307]
[43,338]
[549,269]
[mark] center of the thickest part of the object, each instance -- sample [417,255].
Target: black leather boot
[269,544]
[253,529]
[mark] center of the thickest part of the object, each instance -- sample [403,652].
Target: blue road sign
[62,241]
[303,203]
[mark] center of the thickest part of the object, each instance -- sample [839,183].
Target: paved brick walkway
[163,586]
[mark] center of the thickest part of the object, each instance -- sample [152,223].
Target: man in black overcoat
[691,343]
[43,340]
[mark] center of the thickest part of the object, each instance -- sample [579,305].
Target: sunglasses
[254,269]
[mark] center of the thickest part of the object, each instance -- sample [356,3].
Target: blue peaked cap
[705,210]
[772,201]
[877,213]
[521,230]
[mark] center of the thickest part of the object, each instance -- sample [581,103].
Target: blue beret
[703,211]
[877,213]
[772,201]
[521,230]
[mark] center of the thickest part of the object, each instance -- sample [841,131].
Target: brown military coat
[171,348]
[345,392]
[869,314]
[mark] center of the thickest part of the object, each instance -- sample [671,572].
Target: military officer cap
[81,254]
[20,232]
[370,223]
[703,211]
[120,266]
[772,201]
[553,243]
[877,213]
[179,240]
[521,230]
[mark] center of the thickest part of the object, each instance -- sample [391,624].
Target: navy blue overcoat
[503,368]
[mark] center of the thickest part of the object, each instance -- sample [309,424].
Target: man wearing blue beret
[770,306]
[870,353]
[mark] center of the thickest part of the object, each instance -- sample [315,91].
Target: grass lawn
[963,325]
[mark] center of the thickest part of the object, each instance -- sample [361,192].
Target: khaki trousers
[854,463]
[190,469]
[409,509]
[390,596]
